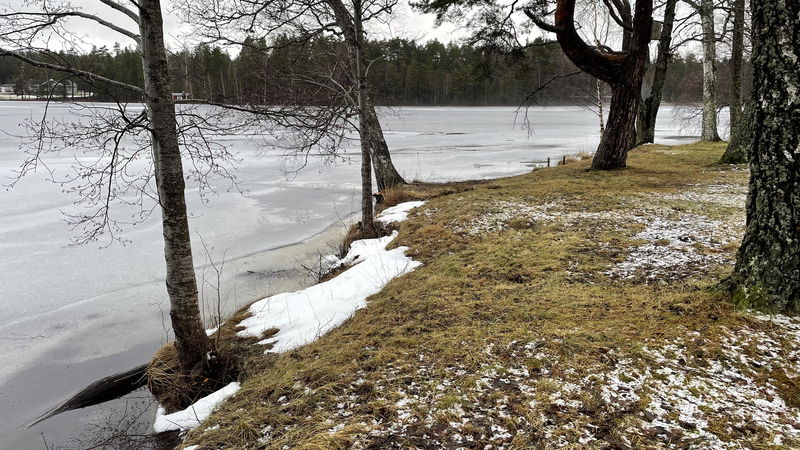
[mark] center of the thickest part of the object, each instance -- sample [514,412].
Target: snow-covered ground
[77,305]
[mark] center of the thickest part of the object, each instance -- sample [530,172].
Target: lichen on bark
[767,272]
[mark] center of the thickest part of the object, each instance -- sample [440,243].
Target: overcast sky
[405,23]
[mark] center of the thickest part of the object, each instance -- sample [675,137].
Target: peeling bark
[190,337]
[767,272]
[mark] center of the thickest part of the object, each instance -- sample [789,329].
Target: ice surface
[192,416]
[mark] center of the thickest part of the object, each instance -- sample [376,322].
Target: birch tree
[46,23]
[767,272]
[705,10]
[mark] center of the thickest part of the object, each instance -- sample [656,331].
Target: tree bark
[648,112]
[737,54]
[359,67]
[767,272]
[741,139]
[620,132]
[190,337]
[386,175]
[624,72]
[709,130]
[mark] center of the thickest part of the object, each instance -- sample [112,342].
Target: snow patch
[303,316]
[192,416]
[398,213]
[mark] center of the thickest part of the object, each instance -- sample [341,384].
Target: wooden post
[548,161]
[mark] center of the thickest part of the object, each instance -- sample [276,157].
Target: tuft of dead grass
[166,381]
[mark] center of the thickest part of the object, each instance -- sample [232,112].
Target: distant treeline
[402,72]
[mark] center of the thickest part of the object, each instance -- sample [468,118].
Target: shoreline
[30,392]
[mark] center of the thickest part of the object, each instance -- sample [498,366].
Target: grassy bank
[560,307]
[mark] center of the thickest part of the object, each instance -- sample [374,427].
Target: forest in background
[402,72]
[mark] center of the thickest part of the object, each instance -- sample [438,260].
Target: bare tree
[622,70]
[298,23]
[26,30]
[740,121]
[737,57]
[705,9]
[599,33]
[648,110]
[767,272]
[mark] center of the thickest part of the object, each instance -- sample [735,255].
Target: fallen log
[101,391]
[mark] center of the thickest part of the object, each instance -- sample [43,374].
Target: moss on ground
[530,323]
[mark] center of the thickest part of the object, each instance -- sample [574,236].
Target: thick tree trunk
[709,131]
[767,272]
[190,337]
[624,72]
[648,112]
[620,133]
[737,54]
[741,139]
[386,175]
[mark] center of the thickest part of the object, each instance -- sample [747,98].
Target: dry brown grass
[538,283]
[166,381]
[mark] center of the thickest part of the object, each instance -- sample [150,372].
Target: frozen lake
[65,308]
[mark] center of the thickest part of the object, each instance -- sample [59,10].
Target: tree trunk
[709,131]
[624,72]
[737,54]
[386,175]
[601,115]
[367,219]
[767,272]
[190,337]
[620,133]
[741,139]
[646,131]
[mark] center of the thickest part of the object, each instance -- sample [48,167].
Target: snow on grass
[192,416]
[303,316]
[397,213]
[730,195]
[666,395]
[677,248]
[502,213]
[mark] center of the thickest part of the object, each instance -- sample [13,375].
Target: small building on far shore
[181,96]
[7,88]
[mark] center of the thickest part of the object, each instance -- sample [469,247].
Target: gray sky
[405,23]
